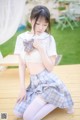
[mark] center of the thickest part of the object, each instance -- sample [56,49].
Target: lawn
[67,42]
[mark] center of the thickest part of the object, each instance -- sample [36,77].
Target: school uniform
[45,83]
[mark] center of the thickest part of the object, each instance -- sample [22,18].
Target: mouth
[39,31]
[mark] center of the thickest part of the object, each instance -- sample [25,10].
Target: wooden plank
[52,117]
[76,99]
[12,117]
[70,75]
[7,100]
[10,60]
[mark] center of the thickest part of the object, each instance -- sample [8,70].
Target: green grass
[8,47]
[68,44]
[67,41]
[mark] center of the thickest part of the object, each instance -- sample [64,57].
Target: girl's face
[40,26]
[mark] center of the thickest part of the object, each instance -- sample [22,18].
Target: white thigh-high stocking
[33,108]
[44,111]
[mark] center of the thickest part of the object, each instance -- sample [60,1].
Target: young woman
[37,51]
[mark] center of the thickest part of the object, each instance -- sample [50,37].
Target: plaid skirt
[50,87]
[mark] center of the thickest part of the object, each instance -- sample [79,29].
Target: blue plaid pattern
[50,87]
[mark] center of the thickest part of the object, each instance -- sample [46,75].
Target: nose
[40,27]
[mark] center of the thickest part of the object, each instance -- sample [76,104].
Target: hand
[37,44]
[22,96]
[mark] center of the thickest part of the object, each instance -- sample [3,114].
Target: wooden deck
[9,88]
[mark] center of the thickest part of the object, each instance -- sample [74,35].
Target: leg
[44,111]
[20,108]
[33,108]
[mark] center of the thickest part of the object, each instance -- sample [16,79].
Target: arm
[48,61]
[19,51]
[22,68]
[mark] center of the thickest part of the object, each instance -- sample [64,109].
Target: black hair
[41,11]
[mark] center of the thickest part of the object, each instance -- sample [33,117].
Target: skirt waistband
[40,74]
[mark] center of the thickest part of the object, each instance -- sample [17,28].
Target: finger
[25,97]
[19,99]
[22,99]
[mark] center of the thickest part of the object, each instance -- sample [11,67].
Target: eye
[45,25]
[37,23]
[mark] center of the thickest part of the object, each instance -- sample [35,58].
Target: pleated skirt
[50,87]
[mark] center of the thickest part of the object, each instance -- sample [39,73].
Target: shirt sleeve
[51,50]
[19,48]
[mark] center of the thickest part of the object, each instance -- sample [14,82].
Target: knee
[17,114]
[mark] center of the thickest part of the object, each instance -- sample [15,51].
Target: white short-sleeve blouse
[47,42]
